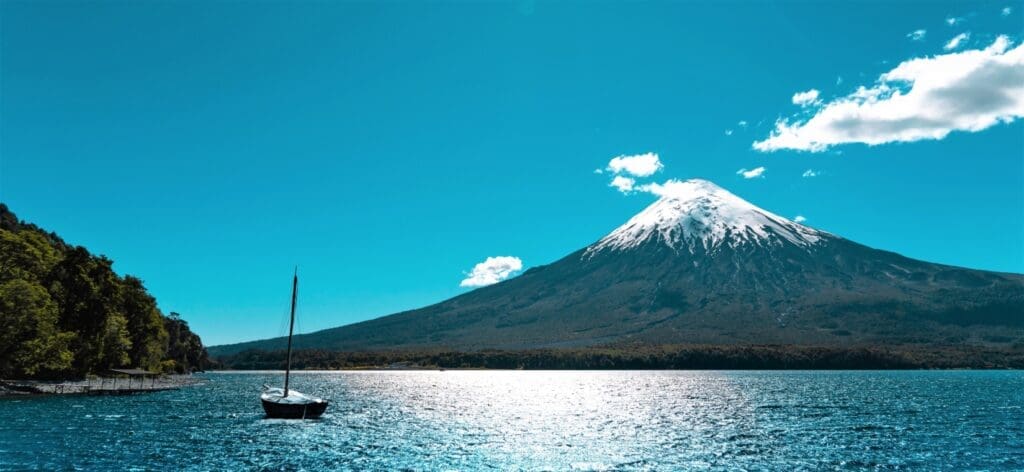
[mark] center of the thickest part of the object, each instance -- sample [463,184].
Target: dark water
[539,421]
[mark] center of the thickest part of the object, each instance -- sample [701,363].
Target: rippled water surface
[513,420]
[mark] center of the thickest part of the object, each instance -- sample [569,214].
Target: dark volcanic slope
[703,266]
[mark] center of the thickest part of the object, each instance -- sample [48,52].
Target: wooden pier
[127,385]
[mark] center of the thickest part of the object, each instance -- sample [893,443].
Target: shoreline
[104,386]
[498,369]
[644,357]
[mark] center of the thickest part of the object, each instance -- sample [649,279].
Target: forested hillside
[65,313]
[640,356]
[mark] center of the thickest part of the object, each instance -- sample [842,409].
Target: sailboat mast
[291,328]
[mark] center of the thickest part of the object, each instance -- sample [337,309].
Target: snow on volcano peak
[699,214]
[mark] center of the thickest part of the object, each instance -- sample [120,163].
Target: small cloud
[492,271]
[742,123]
[623,184]
[728,132]
[598,171]
[839,80]
[804,99]
[752,173]
[917,35]
[1006,11]
[923,98]
[952,20]
[809,173]
[639,165]
[956,41]
[799,219]
[671,187]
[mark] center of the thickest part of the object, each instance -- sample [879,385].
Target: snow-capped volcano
[699,215]
[701,265]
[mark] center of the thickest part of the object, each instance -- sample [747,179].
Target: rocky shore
[95,386]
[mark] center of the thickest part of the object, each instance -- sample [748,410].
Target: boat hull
[294,410]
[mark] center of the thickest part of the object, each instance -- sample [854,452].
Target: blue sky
[387,148]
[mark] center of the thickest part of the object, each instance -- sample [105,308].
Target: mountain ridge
[701,265]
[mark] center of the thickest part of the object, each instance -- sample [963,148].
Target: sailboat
[286,403]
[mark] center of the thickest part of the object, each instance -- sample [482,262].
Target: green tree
[184,348]
[88,294]
[115,343]
[30,343]
[25,255]
[145,325]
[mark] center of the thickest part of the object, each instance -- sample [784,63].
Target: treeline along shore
[724,357]
[65,313]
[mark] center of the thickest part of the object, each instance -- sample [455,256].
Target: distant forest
[64,313]
[722,357]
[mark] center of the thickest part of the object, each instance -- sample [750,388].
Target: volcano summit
[701,265]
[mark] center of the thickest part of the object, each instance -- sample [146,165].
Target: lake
[538,420]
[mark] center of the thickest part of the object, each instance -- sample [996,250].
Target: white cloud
[599,171]
[728,132]
[917,35]
[624,184]
[742,123]
[956,41]
[839,80]
[810,173]
[752,173]
[492,271]
[670,187]
[922,98]
[640,165]
[952,20]
[799,219]
[803,99]
[1006,11]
